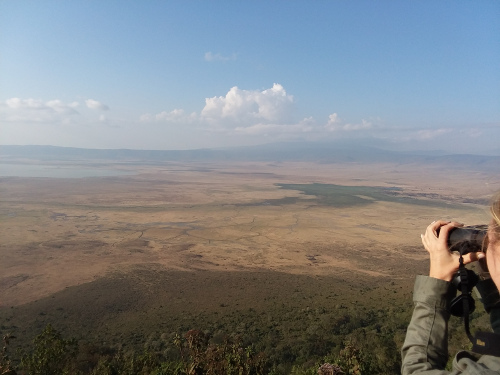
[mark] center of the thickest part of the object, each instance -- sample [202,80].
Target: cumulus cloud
[271,113]
[60,107]
[249,107]
[18,103]
[335,123]
[210,57]
[54,111]
[240,111]
[176,114]
[94,104]
[35,110]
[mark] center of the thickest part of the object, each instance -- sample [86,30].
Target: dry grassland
[58,233]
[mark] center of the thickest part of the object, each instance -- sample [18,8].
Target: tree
[51,355]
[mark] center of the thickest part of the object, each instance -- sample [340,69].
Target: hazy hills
[276,152]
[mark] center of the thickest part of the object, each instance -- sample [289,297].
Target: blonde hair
[495,213]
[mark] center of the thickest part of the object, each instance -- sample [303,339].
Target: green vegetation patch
[349,196]
[165,319]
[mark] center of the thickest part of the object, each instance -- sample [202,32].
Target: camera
[468,239]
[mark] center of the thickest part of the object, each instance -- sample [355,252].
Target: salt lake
[56,171]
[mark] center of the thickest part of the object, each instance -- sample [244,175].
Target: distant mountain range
[277,152]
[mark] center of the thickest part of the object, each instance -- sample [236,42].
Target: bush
[52,355]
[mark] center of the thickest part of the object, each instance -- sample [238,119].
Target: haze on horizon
[185,75]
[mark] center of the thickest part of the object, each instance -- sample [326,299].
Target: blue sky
[197,74]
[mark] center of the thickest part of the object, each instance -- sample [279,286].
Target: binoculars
[469,239]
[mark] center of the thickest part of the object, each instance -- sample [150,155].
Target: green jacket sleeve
[425,350]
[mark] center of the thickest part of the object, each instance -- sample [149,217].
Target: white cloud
[60,107]
[426,134]
[17,103]
[474,133]
[170,116]
[23,112]
[209,56]
[307,125]
[240,117]
[147,117]
[335,124]
[35,110]
[365,125]
[241,111]
[94,104]
[249,107]
[175,116]
[333,119]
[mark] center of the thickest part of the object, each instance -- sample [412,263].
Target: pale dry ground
[62,232]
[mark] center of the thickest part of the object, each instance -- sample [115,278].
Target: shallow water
[56,171]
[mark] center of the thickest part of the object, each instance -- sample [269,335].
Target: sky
[174,75]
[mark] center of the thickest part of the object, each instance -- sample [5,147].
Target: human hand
[444,263]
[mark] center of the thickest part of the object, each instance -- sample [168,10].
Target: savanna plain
[293,259]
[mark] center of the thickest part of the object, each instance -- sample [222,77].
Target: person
[425,349]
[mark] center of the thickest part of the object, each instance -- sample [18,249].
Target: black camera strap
[466,297]
[464,305]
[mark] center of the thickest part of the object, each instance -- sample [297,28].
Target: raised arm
[425,350]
